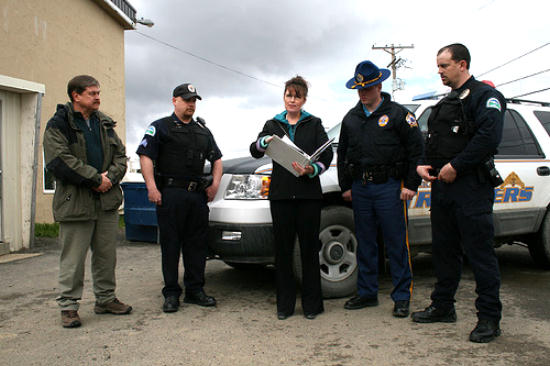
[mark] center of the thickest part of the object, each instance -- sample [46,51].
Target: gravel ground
[243,328]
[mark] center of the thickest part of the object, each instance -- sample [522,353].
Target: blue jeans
[379,206]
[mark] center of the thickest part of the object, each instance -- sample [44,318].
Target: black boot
[485,331]
[432,315]
[171,304]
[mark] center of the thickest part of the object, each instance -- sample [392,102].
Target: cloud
[271,41]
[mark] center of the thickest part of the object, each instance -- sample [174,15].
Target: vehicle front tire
[539,245]
[337,253]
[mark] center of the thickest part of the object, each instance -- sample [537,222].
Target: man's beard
[188,114]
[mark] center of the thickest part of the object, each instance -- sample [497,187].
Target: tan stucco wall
[49,42]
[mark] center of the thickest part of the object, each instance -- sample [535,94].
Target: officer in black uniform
[172,156]
[380,144]
[464,130]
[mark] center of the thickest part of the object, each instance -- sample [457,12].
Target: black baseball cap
[186,91]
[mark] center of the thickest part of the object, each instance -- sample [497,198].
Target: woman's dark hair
[299,84]
[458,53]
[80,83]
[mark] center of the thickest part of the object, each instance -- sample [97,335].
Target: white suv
[241,235]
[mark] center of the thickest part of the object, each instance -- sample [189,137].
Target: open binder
[283,151]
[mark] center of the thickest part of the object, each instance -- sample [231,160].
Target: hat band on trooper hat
[371,72]
[363,83]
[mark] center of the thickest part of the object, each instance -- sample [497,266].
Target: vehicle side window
[544,118]
[423,120]
[517,138]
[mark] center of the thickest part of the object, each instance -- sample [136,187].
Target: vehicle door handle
[543,171]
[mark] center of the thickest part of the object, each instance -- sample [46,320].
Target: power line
[207,60]
[512,60]
[525,77]
[533,92]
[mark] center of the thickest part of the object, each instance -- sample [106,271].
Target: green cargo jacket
[65,157]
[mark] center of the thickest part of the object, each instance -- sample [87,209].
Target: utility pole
[395,62]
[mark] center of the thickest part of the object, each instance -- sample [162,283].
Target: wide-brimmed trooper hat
[367,74]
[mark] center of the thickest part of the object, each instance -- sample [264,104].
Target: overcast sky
[269,41]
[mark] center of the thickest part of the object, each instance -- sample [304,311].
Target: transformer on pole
[395,63]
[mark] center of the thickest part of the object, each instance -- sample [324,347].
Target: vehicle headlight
[248,187]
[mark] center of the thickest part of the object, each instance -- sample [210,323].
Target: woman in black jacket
[296,201]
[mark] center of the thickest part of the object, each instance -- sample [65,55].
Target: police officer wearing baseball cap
[464,130]
[380,144]
[186,91]
[172,156]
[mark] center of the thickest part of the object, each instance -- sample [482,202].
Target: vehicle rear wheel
[539,246]
[337,254]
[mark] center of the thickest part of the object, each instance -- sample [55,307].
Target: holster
[205,182]
[158,181]
[489,170]
[399,170]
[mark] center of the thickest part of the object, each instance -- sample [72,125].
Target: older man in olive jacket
[88,160]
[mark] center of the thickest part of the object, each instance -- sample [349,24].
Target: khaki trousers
[76,237]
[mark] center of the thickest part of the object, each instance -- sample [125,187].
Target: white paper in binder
[284,152]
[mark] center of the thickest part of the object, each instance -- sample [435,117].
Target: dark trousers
[379,206]
[462,224]
[302,218]
[183,227]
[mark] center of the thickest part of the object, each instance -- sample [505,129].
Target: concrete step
[4,248]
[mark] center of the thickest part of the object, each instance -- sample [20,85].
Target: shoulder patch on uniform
[493,103]
[382,121]
[151,130]
[411,120]
[143,143]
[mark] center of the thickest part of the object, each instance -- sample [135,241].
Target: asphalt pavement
[243,328]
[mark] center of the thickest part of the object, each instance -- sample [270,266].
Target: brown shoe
[114,307]
[70,319]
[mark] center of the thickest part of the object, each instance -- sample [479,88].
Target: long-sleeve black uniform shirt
[388,136]
[485,107]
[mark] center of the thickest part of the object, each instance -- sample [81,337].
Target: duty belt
[374,176]
[186,184]
[378,174]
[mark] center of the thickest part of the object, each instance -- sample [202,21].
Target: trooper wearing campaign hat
[367,74]
[380,144]
[172,156]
